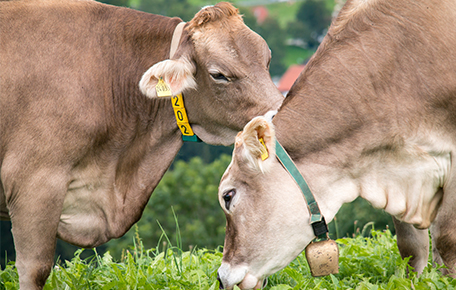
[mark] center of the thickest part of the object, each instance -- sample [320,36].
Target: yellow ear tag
[264,150]
[163,89]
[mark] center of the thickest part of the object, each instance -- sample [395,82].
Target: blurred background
[185,204]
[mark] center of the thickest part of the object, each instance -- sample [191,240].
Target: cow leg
[443,232]
[413,243]
[34,232]
[436,259]
[35,213]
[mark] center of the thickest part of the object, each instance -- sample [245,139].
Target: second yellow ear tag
[163,89]
[264,150]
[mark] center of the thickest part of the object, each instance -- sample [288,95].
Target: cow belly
[410,190]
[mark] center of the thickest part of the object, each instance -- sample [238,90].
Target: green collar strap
[316,218]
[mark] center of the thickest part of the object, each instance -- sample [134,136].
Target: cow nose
[220,281]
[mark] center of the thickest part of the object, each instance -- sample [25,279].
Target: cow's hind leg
[413,243]
[35,209]
[443,232]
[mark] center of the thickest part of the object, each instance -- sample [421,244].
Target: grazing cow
[372,115]
[84,137]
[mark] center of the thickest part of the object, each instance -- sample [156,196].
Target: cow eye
[228,197]
[219,77]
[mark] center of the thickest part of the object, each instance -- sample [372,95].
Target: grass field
[365,263]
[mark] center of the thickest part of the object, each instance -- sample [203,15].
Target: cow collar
[317,220]
[178,101]
[176,38]
[322,256]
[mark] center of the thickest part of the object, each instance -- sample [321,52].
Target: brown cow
[82,148]
[372,115]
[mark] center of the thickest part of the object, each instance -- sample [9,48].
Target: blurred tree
[275,37]
[172,8]
[123,3]
[208,153]
[190,189]
[352,217]
[312,20]
[315,15]
[6,244]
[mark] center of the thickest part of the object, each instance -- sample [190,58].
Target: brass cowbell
[323,257]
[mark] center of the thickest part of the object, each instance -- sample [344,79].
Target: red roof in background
[261,13]
[289,77]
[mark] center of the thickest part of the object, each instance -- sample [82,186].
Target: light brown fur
[223,13]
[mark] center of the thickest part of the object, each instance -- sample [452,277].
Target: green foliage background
[188,192]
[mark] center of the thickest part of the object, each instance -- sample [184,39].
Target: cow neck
[178,101]
[322,256]
[317,220]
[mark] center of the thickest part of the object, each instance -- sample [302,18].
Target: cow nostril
[265,282]
[220,282]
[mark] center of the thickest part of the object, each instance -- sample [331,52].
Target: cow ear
[258,141]
[176,73]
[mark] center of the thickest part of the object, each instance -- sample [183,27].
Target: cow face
[267,217]
[221,66]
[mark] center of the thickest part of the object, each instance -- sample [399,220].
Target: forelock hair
[220,12]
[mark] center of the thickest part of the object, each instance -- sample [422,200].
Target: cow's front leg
[35,210]
[413,243]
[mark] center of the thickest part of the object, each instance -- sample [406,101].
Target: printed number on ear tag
[163,89]
[264,150]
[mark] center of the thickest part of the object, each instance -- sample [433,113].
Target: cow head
[267,217]
[221,66]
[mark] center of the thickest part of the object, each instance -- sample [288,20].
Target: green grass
[365,263]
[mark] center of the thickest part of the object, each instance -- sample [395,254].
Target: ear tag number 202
[181,115]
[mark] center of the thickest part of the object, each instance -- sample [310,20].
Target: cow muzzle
[229,276]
